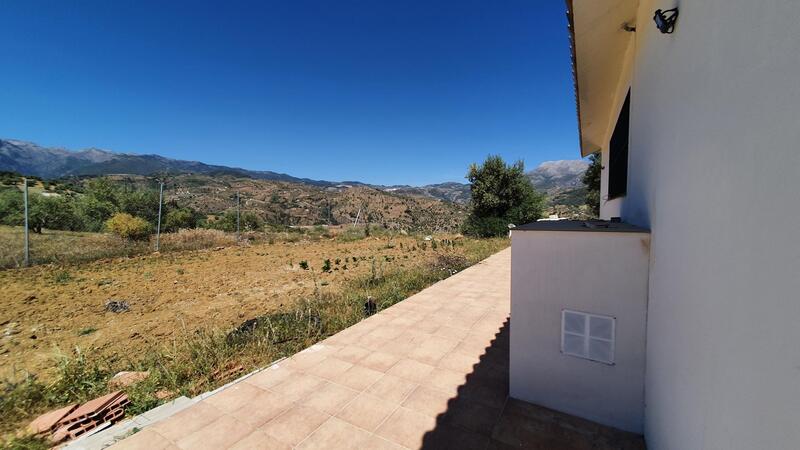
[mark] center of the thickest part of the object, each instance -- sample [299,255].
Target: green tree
[248,221]
[139,203]
[92,212]
[11,206]
[181,218]
[591,179]
[55,213]
[101,189]
[501,195]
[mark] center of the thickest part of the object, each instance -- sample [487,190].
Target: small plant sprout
[63,277]
[326,265]
[304,265]
[86,331]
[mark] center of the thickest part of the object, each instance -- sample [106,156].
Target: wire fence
[40,227]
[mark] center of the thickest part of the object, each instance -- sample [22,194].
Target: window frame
[587,336]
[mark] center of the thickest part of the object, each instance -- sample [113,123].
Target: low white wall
[595,272]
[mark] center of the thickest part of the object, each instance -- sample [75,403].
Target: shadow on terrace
[482,416]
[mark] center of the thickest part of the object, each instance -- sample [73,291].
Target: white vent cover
[588,336]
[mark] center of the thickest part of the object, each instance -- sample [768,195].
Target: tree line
[101,205]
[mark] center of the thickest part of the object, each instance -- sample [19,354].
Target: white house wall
[713,172]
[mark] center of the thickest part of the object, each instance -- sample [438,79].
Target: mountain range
[555,178]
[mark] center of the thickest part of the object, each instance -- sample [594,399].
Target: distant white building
[688,333]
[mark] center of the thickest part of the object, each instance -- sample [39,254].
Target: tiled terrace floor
[430,372]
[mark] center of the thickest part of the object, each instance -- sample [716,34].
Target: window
[588,336]
[618,153]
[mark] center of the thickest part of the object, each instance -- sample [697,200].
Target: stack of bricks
[73,420]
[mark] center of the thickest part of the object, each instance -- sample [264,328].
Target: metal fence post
[27,243]
[158,227]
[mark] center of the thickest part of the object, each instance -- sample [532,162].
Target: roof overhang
[599,44]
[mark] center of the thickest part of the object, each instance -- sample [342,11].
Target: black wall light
[665,20]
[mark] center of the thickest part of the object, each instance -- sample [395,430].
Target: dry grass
[71,247]
[196,239]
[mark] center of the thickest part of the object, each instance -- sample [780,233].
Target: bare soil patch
[47,310]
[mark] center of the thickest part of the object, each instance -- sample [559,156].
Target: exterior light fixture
[665,20]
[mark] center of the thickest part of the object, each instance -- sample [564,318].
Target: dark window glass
[618,153]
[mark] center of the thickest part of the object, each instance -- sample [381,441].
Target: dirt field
[48,309]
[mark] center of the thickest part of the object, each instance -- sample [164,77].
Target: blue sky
[385,92]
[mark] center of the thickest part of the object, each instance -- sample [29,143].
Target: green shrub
[128,227]
[63,277]
[326,265]
[182,218]
[304,265]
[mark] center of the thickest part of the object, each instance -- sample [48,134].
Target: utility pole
[237,216]
[158,227]
[27,243]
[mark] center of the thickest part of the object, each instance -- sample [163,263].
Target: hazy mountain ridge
[560,180]
[49,163]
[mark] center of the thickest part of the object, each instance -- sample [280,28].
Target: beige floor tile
[445,380]
[270,376]
[358,377]
[406,427]
[329,398]
[400,346]
[190,419]
[459,362]
[329,368]
[302,360]
[144,440]
[367,411]
[259,440]
[262,408]
[432,349]
[352,353]
[449,332]
[295,424]
[221,433]
[474,345]
[428,401]
[411,370]
[233,397]
[379,443]
[391,388]
[336,434]
[379,361]
[427,326]
[298,386]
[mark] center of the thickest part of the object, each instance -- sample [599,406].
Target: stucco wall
[713,172]
[594,272]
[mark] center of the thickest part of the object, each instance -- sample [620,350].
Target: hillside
[298,201]
[304,204]
[560,180]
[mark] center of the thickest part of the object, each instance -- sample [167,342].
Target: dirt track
[44,310]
